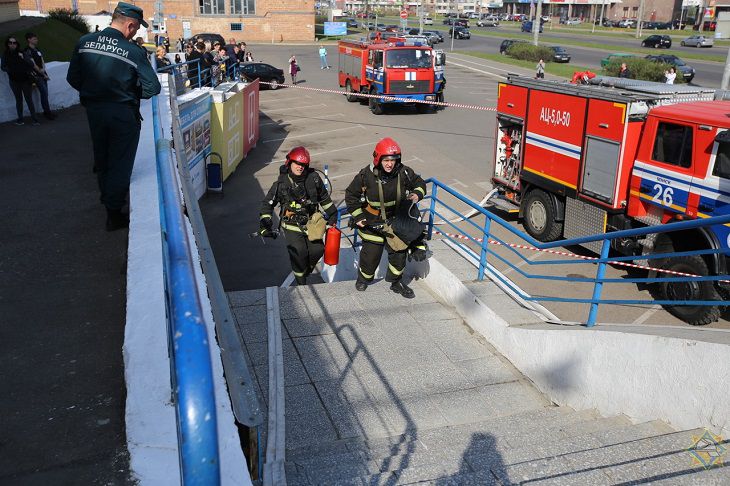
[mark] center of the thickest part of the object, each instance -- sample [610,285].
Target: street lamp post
[537,23]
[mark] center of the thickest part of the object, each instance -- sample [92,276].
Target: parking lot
[452,145]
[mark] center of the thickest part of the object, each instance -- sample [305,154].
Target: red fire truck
[619,154]
[390,68]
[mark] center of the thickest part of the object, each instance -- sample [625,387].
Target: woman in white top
[670,75]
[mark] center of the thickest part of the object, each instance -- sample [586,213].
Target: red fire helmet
[385,147]
[300,155]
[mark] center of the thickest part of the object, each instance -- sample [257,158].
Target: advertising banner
[250,116]
[195,130]
[335,28]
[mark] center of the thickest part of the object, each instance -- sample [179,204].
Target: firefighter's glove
[419,253]
[266,228]
[332,220]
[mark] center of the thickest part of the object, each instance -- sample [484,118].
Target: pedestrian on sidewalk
[293,69]
[323,57]
[20,75]
[670,75]
[111,76]
[540,70]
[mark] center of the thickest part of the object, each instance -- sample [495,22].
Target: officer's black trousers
[115,135]
[370,259]
[303,254]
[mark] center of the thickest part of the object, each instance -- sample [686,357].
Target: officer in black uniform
[111,74]
[299,191]
[385,183]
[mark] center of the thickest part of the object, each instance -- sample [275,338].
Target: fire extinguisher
[332,246]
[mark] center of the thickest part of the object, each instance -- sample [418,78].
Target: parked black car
[353,23]
[657,41]
[506,44]
[560,54]
[460,32]
[263,72]
[687,72]
[212,38]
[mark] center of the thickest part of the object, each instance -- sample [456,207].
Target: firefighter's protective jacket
[299,198]
[369,178]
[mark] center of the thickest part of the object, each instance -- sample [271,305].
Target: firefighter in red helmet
[372,197]
[300,193]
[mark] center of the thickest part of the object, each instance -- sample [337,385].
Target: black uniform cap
[131,11]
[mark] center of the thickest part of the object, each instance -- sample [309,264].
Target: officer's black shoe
[403,289]
[301,280]
[116,220]
[361,286]
[49,115]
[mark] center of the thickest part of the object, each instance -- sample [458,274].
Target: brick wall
[277,20]
[9,10]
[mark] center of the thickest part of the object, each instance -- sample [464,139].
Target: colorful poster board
[196,130]
[250,116]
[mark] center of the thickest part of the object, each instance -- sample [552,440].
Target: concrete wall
[9,10]
[684,382]
[60,94]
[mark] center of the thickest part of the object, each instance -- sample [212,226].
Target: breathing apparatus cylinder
[332,246]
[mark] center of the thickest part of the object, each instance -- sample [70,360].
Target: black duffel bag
[407,223]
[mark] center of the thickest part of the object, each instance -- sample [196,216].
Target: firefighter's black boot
[301,280]
[361,285]
[400,288]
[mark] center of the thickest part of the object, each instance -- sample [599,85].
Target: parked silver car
[698,41]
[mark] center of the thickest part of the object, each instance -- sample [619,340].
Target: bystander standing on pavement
[323,57]
[293,69]
[162,60]
[670,75]
[625,72]
[540,70]
[34,57]
[111,76]
[20,75]
[179,45]
[166,43]
[193,68]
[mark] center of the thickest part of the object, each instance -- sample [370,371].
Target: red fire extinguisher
[332,246]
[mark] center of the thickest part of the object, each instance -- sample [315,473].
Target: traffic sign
[404,14]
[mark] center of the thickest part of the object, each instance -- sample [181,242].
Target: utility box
[227,126]
[722,29]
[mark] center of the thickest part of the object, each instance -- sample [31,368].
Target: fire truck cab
[580,160]
[408,71]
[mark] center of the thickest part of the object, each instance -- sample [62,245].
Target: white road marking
[294,108]
[480,70]
[326,151]
[646,315]
[295,137]
[488,95]
[462,59]
[457,182]
[299,119]
[353,173]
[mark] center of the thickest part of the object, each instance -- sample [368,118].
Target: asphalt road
[453,145]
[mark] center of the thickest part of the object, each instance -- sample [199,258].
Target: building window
[236,26]
[212,7]
[243,7]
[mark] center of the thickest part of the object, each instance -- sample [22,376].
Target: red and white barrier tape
[387,98]
[568,254]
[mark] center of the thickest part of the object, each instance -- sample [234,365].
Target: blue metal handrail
[204,76]
[190,350]
[485,252]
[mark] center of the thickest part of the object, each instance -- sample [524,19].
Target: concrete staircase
[384,390]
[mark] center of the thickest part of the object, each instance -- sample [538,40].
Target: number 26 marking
[663,195]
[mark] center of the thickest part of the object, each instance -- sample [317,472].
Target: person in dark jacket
[372,197]
[35,58]
[625,72]
[20,77]
[193,68]
[111,75]
[300,193]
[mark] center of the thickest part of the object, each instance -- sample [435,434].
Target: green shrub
[643,69]
[529,52]
[70,18]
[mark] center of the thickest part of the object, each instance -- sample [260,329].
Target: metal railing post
[485,243]
[432,209]
[598,287]
[200,77]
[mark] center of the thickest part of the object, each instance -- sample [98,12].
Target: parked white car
[491,21]
[427,21]
[698,41]
[573,21]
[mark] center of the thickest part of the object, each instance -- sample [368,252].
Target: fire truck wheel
[698,315]
[350,97]
[375,106]
[423,108]
[540,216]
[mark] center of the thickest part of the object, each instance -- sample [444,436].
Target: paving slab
[308,421]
